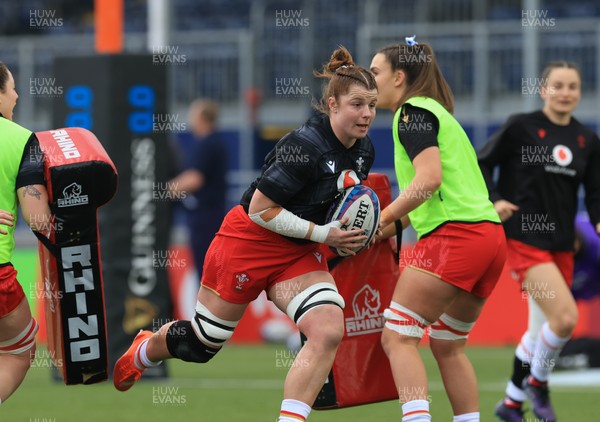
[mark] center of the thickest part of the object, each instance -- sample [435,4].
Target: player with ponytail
[22,183]
[461,245]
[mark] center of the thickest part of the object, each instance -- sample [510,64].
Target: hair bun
[340,57]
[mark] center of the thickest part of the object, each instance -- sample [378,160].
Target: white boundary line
[573,382]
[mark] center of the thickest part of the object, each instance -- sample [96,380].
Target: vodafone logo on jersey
[562,155]
[347,179]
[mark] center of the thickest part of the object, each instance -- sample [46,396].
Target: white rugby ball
[361,204]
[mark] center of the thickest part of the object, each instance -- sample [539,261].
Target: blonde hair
[207,109]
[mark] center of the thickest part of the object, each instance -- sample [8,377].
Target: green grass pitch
[244,384]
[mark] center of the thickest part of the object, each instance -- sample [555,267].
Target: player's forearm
[272,216]
[35,209]
[286,223]
[393,229]
[416,193]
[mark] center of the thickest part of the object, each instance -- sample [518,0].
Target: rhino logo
[366,303]
[72,196]
[72,191]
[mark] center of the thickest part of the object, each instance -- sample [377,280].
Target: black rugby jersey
[542,166]
[309,167]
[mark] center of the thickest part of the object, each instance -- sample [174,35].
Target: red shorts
[467,255]
[11,292]
[521,257]
[244,259]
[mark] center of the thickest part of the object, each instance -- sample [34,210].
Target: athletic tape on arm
[288,224]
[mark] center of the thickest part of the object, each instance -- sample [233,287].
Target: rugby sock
[416,411]
[293,411]
[525,348]
[467,417]
[141,360]
[514,389]
[547,349]
[515,396]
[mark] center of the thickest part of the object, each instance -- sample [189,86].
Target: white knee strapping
[316,295]
[211,329]
[22,342]
[448,328]
[404,321]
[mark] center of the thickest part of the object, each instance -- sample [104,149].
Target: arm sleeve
[31,170]
[492,154]
[418,129]
[290,166]
[591,182]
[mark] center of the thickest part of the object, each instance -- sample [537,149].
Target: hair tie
[411,40]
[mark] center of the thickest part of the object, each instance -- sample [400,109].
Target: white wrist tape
[289,224]
[319,233]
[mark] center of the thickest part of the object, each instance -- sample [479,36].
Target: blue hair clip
[411,40]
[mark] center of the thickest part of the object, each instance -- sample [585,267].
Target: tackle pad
[361,371]
[80,177]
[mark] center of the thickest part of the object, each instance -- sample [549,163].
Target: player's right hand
[7,219]
[505,209]
[345,239]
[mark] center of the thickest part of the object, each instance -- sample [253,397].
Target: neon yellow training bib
[463,195]
[13,139]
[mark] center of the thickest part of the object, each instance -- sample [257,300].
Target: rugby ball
[361,205]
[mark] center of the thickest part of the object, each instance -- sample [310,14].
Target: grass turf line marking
[272,384]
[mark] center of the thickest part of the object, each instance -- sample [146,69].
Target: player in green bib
[461,246]
[21,183]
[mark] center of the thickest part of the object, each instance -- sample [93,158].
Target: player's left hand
[377,237]
[598,228]
[7,219]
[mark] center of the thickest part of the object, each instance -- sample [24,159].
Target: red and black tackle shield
[361,372]
[80,177]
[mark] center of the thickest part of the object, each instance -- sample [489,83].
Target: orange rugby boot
[126,373]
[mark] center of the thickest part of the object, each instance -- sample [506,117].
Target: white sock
[515,392]
[141,360]
[293,411]
[547,349]
[467,417]
[526,348]
[416,411]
